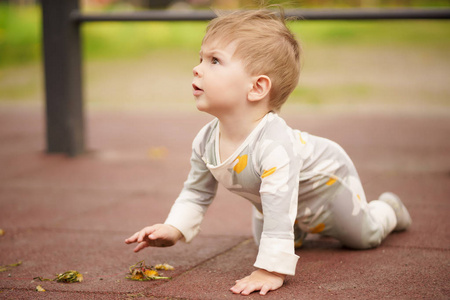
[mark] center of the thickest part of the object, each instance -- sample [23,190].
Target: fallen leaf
[9,267]
[66,277]
[164,267]
[141,272]
[69,277]
[139,295]
[40,289]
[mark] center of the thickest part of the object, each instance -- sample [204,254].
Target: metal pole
[63,89]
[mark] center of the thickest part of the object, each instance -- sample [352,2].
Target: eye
[214,61]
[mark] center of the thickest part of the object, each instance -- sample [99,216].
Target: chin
[201,104]
[201,107]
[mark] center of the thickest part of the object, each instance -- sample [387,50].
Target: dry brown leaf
[8,267]
[66,277]
[141,272]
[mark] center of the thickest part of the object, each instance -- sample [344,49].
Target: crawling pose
[298,183]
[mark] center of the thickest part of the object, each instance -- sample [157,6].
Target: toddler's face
[220,84]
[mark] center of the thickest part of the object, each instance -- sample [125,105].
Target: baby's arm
[158,235]
[260,280]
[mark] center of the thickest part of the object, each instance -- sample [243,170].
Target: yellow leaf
[151,273]
[137,277]
[8,267]
[142,272]
[40,289]
[166,267]
[69,277]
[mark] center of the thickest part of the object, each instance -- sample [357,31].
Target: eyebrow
[212,52]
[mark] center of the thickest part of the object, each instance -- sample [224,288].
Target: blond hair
[265,45]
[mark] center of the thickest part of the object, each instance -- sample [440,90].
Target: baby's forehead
[218,45]
[216,42]
[227,44]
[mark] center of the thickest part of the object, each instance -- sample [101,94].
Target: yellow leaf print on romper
[318,229]
[301,139]
[268,172]
[241,164]
[331,181]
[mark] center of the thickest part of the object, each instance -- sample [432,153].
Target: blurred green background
[386,65]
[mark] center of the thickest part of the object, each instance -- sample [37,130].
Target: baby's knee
[366,241]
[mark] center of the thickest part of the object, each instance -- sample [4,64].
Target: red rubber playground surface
[59,213]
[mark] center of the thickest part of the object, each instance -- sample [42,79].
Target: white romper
[293,179]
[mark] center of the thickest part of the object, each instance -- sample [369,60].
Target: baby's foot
[402,214]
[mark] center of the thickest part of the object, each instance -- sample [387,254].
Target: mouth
[196,90]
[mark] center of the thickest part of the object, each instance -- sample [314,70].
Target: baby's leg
[358,224]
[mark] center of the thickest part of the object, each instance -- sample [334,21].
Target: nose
[196,70]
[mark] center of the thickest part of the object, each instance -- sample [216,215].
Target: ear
[260,88]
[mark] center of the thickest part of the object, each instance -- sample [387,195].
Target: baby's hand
[260,280]
[158,235]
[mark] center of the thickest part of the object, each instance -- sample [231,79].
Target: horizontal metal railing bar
[370,14]
[301,14]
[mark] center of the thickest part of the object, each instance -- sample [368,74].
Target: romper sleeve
[197,194]
[279,171]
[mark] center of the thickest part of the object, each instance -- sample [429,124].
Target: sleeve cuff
[186,219]
[277,255]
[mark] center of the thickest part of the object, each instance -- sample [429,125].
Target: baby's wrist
[178,234]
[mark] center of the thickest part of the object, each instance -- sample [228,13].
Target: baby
[298,183]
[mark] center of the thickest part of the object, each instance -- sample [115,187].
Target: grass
[20,32]
[404,62]
[315,96]
[20,35]
[124,40]
[426,33]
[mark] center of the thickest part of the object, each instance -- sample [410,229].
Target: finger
[130,241]
[132,238]
[145,232]
[141,235]
[247,291]
[236,290]
[264,290]
[239,285]
[141,246]
[155,233]
[250,288]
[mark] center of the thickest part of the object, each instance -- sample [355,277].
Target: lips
[196,90]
